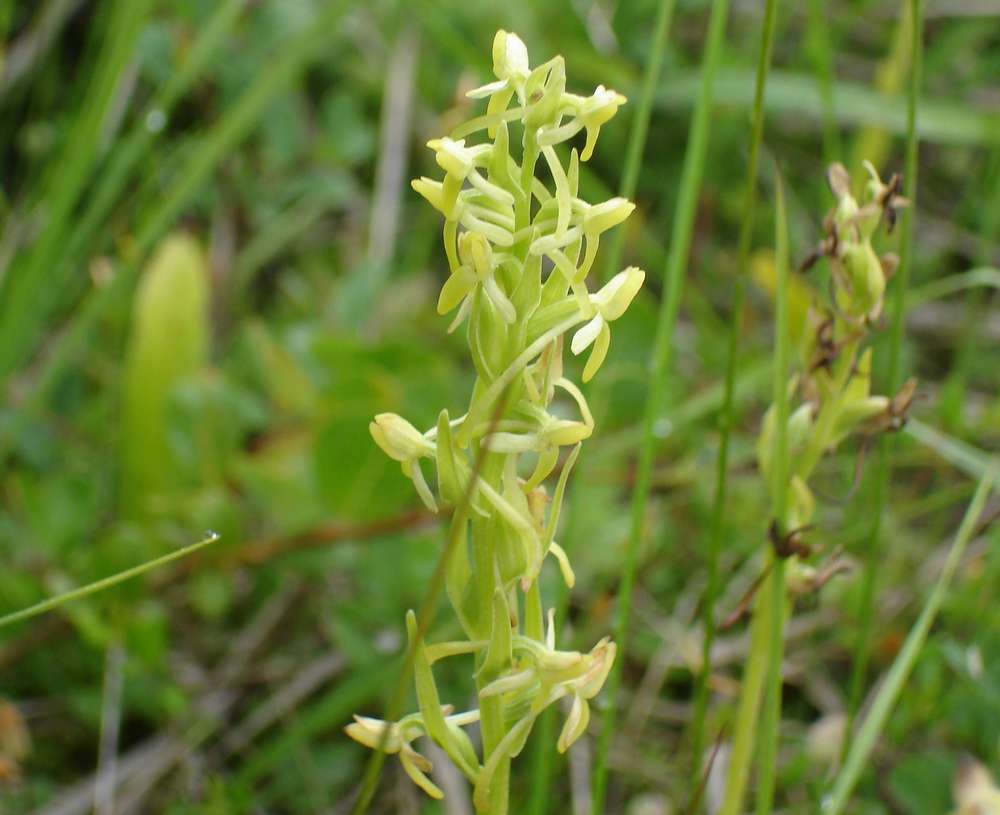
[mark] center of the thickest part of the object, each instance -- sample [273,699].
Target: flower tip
[510,55]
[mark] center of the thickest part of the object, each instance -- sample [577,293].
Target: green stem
[640,127]
[726,415]
[545,755]
[779,512]
[771,719]
[749,705]
[873,554]
[101,585]
[490,708]
[822,431]
[673,275]
[818,44]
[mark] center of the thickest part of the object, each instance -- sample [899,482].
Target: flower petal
[488,90]
[564,566]
[598,354]
[455,289]
[586,335]
[415,766]
[576,723]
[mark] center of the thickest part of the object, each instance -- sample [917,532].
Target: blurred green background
[213,273]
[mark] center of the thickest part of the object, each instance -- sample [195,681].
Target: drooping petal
[411,469]
[455,289]
[564,565]
[586,335]
[597,356]
[416,765]
[463,312]
[576,724]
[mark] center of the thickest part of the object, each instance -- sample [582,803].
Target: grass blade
[985,277]
[28,293]
[127,155]
[640,128]
[673,276]
[538,799]
[779,511]
[794,95]
[859,666]
[727,414]
[211,149]
[105,583]
[970,460]
[820,52]
[877,717]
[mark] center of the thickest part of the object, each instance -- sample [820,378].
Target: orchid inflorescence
[519,253]
[835,383]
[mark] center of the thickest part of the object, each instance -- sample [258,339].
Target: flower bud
[399,439]
[606,215]
[617,294]
[371,733]
[510,57]
[454,157]
[867,282]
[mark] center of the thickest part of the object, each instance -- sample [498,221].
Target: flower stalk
[520,244]
[833,389]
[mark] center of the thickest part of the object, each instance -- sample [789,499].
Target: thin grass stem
[821,54]
[211,149]
[27,289]
[103,584]
[727,413]
[873,553]
[640,127]
[538,796]
[779,510]
[673,276]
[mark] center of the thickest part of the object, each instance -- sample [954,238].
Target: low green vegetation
[764,528]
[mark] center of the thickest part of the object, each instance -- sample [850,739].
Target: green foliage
[279,136]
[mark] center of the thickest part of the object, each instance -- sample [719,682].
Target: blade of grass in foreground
[541,777]
[859,668]
[877,717]
[726,415]
[779,510]
[673,275]
[101,585]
